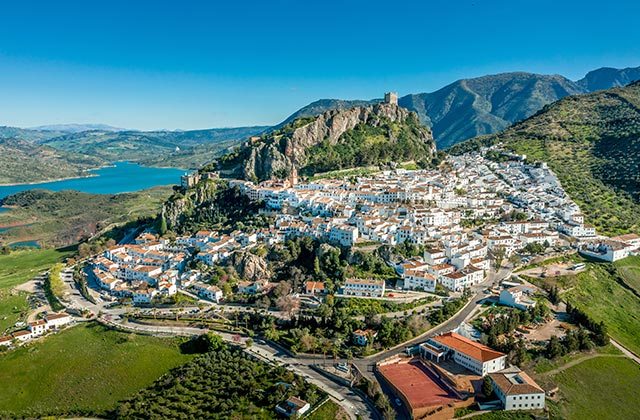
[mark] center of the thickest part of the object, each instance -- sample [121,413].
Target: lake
[120,178]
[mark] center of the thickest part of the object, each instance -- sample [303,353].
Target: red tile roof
[471,348]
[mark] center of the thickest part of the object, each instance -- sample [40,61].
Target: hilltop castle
[391,98]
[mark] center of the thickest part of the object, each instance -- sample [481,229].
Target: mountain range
[484,105]
[459,111]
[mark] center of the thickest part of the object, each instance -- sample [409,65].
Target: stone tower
[391,98]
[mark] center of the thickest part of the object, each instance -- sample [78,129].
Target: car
[398,402]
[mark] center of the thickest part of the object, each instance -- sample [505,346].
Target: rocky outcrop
[277,153]
[250,266]
[181,205]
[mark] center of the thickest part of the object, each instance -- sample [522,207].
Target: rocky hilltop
[335,139]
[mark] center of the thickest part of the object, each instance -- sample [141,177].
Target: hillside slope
[592,142]
[191,148]
[337,139]
[23,161]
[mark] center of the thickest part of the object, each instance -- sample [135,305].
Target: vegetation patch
[225,382]
[83,370]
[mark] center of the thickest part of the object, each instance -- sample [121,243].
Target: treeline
[53,287]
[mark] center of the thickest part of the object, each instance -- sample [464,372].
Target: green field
[21,266]
[629,269]
[596,292]
[328,411]
[85,369]
[13,308]
[600,388]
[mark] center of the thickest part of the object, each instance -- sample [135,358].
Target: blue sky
[191,64]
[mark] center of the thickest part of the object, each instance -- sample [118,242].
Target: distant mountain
[76,128]
[38,155]
[607,77]
[27,134]
[23,161]
[592,142]
[186,149]
[485,105]
[336,139]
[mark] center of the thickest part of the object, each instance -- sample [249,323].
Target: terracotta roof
[513,381]
[471,348]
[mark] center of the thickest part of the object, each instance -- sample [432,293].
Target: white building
[209,292]
[517,390]
[517,297]
[363,287]
[607,250]
[470,354]
[419,279]
[38,327]
[55,321]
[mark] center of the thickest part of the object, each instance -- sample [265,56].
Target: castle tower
[391,98]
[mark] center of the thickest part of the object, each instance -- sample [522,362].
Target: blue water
[25,244]
[122,177]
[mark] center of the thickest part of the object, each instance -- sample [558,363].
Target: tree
[554,348]
[499,253]
[487,387]
[162,225]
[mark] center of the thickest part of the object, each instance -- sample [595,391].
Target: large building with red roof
[470,354]
[417,386]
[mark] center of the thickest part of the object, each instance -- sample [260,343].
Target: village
[467,219]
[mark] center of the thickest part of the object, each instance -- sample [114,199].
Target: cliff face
[275,154]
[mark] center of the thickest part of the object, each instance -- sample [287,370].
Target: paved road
[352,402]
[625,351]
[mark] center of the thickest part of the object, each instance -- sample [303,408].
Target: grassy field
[600,388]
[328,411]
[629,269]
[20,266]
[13,308]
[86,368]
[597,293]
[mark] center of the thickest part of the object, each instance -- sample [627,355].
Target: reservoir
[120,178]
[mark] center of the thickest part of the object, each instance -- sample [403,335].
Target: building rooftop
[471,348]
[513,381]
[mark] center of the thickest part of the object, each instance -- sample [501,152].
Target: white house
[209,292]
[23,335]
[363,287]
[607,250]
[516,297]
[6,340]
[419,279]
[144,295]
[517,390]
[470,354]
[55,321]
[38,327]
[293,407]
